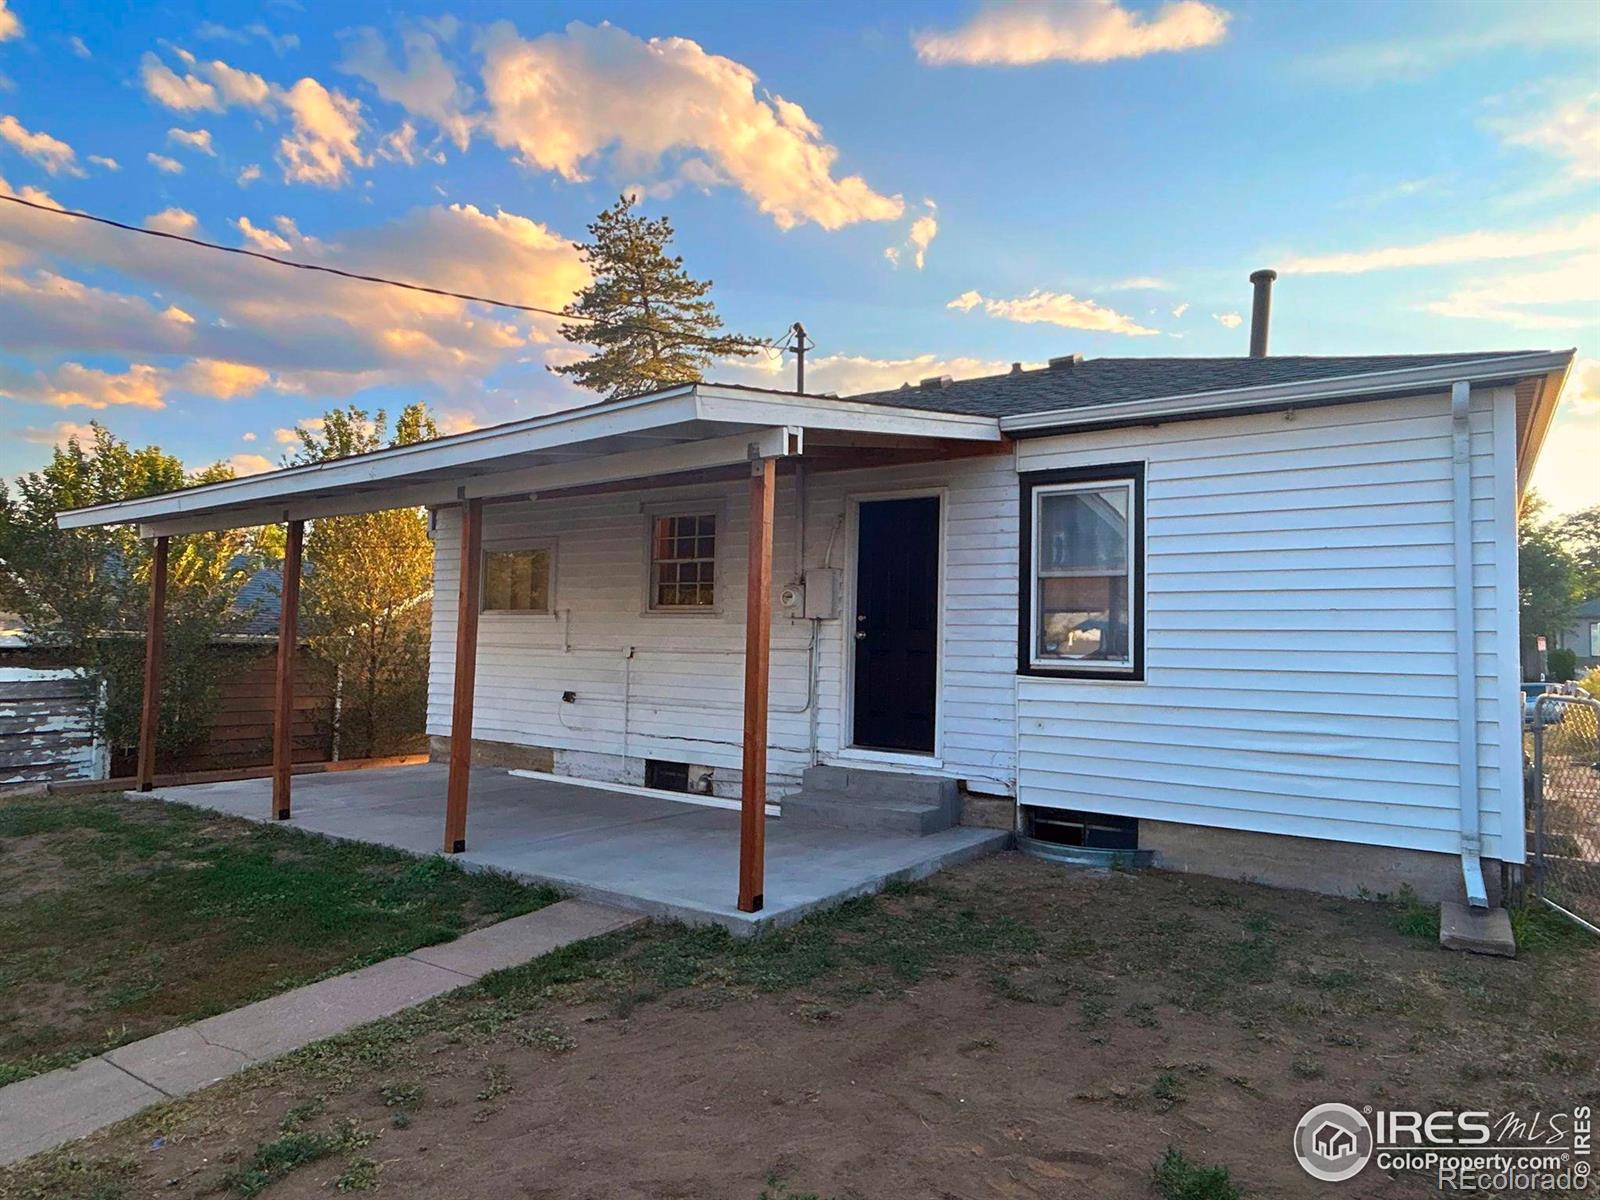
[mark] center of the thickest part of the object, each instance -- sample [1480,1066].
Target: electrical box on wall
[822,593]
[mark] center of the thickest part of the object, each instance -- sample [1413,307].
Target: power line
[343,274]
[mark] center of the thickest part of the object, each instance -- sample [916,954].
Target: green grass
[284,1153]
[123,918]
[1176,1178]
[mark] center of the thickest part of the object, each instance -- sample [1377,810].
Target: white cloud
[262,239]
[73,385]
[425,87]
[1084,31]
[1570,131]
[249,175]
[312,336]
[400,145]
[195,139]
[212,31]
[1179,309]
[1053,308]
[59,433]
[563,100]
[173,220]
[325,141]
[1480,245]
[109,164]
[243,89]
[1228,320]
[248,436]
[163,163]
[1140,283]
[1523,299]
[184,93]
[78,46]
[54,155]
[10,26]
[918,238]
[852,374]
[1408,59]
[251,464]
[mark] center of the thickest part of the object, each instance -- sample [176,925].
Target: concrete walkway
[40,1113]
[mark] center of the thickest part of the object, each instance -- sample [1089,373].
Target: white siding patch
[1300,632]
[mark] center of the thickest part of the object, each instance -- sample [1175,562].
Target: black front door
[897,624]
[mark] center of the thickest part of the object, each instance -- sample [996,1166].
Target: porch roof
[688,427]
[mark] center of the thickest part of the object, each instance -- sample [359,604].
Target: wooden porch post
[757,661]
[288,635]
[154,644]
[455,813]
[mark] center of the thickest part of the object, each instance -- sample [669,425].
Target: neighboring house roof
[1102,381]
[261,598]
[1589,610]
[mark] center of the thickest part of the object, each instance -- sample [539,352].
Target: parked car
[1554,714]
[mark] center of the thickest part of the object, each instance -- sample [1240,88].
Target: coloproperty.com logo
[1462,1151]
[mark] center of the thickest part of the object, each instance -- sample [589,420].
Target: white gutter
[1353,387]
[1466,648]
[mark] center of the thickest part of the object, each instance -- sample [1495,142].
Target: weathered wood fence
[47,726]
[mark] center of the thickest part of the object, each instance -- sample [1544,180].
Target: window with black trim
[518,580]
[1082,573]
[683,561]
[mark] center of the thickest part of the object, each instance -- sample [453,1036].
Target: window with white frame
[518,580]
[683,561]
[1081,613]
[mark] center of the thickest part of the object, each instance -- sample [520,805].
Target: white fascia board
[724,403]
[1352,387]
[394,464]
[777,442]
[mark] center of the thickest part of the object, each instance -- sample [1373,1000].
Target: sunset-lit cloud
[1084,31]
[54,155]
[1053,308]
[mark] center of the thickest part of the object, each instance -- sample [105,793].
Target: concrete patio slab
[38,1113]
[654,855]
[1476,930]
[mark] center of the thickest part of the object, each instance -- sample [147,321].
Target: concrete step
[888,785]
[875,800]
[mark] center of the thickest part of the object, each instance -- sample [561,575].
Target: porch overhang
[687,428]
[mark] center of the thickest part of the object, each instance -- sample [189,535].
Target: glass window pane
[1082,592]
[682,552]
[516,581]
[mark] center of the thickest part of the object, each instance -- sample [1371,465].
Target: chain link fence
[1563,742]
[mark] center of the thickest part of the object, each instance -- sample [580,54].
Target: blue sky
[931,188]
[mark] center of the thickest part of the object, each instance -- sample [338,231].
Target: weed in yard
[275,1159]
[81,1178]
[1143,1015]
[1168,1091]
[407,1097]
[361,1175]
[301,1113]
[777,1189]
[551,1036]
[1537,929]
[1176,1178]
[1411,916]
[497,1083]
[1306,1067]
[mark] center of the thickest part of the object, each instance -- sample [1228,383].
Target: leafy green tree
[368,592]
[1551,580]
[649,322]
[83,594]
[1580,533]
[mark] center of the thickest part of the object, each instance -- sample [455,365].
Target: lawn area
[121,918]
[1009,1028]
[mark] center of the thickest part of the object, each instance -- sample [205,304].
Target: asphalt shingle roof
[1114,380]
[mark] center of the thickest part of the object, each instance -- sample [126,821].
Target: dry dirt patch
[1010,1029]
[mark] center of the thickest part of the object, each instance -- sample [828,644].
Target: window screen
[517,580]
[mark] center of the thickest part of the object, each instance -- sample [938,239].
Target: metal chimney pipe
[1261,311]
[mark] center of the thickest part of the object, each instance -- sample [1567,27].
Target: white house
[1257,615]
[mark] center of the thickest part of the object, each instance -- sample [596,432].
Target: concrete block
[1477,930]
[522,939]
[178,1061]
[39,1113]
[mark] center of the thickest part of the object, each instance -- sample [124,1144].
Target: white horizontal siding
[1300,633]
[680,695]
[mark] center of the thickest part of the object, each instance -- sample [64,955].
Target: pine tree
[649,322]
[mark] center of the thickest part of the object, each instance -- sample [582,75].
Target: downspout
[1466,649]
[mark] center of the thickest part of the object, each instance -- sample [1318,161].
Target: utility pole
[799,347]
